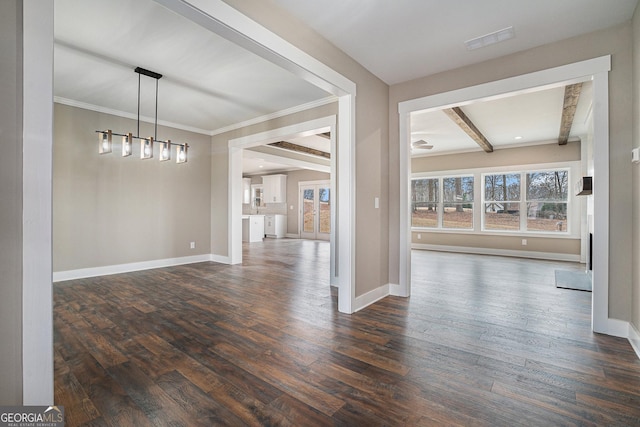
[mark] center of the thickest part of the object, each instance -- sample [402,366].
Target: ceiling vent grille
[491,38]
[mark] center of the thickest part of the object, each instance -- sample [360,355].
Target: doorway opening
[236,150]
[595,70]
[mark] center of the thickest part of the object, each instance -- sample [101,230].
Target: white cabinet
[246,190]
[275,188]
[253,228]
[275,225]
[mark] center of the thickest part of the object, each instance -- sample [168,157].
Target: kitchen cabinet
[275,225]
[253,228]
[275,188]
[246,190]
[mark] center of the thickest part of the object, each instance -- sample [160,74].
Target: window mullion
[523,201]
[440,202]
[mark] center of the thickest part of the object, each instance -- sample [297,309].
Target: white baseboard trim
[552,256]
[370,297]
[292,236]
[396,291]
[618,328]
[59,276]
[634,339]
[219,259]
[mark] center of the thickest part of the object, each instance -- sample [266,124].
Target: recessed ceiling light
[260,166]
[491,38]
[518,137]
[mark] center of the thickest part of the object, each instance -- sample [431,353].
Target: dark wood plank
[263,344]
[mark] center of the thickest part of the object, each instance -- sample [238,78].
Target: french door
[315,211]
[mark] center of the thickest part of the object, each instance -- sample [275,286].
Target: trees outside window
[529,201]
[502,202]
[424,201]
[458,202]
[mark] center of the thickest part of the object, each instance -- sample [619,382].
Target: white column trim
[37,158]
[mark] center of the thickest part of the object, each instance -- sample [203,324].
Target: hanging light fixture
[181,153]
[105,144]
[165,151]
[127,148]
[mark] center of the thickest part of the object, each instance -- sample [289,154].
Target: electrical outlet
[192,245]
[524,242]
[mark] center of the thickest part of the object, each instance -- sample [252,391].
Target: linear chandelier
[105,144]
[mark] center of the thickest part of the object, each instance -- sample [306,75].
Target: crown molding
[277,114]
[240,125]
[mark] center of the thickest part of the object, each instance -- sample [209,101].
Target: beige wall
[635,318]
[615,41]
[109,209]
[11,205]
[371,126]
[538,154]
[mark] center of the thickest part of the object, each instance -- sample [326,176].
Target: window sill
[525,234]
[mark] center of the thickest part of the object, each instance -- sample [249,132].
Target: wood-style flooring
[482,341]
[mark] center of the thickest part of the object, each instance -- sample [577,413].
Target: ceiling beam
[300,149]
[571,98]
[460,118]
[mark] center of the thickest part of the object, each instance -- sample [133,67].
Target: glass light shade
[181,153]
[165,151]
[127,148]
[104,142]
[146,148]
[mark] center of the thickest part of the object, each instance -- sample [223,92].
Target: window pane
[458,189]
[549,185]
[325,210]
[458,215]
[505,187]
[308,223]
[502,216]
[424,197]
[547,216]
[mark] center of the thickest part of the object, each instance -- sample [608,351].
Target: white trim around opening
[222,19]
[597,70]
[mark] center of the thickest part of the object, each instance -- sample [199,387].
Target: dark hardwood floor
[482,341]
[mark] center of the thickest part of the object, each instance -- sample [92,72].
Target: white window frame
[573,207]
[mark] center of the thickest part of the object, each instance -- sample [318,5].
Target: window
[424,202]
[458,202]
[547,200]
[502,202]
[537,201]
[442,202]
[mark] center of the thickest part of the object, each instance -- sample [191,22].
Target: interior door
[315,211]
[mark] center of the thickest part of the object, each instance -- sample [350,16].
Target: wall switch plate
[635,155]
[192,245]
[524,242]
[419,236]
[376,202]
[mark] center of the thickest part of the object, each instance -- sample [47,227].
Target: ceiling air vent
[491,38]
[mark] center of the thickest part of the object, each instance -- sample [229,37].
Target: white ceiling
[401,40]
[525,119]
[208,82]
[211,84]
